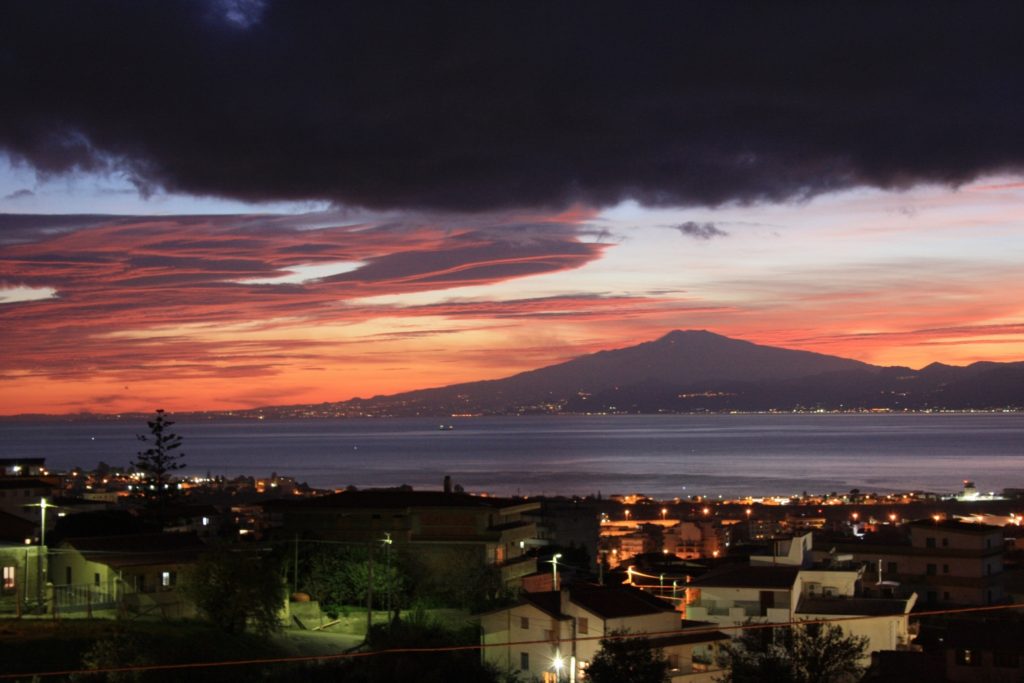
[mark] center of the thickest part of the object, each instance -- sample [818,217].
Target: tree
[159,460]
[237,590]
[625,658]
[339,576]
[811,653]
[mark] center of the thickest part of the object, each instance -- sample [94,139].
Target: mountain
[698,371]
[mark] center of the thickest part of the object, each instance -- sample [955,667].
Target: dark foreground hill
[697,371]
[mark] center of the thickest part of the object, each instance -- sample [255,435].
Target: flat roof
[745,576]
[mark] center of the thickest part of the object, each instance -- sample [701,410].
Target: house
[23,467]
[442,527]
[975,650]
[785,587]
[545,634]
[945,561]
[136,572]
[22,567]
[18,495]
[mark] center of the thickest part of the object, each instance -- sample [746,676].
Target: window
[945,542]
[930,570]
[966,657]
[945,569]
[929,542]
[9,578]
[524,661]
[945,595]
[96,579]
[524,622]
[67,575]
[892,568]
[583,626]
[673,661]
[168,579]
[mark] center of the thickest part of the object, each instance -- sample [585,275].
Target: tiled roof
[23,483]
[612,602]
[607,602]
[139,549]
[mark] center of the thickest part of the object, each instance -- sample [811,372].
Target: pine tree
[159,460]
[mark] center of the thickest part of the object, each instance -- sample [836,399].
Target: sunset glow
[238,311]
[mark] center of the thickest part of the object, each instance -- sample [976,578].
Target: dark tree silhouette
[159,460]
[811,653]
[624,658]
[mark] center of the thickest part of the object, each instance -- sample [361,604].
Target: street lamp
[43,505]
[554,570]
[664,512]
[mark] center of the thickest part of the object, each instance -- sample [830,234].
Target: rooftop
[955,525]
[135,550]
[399,499]
[873,607]
[744,576]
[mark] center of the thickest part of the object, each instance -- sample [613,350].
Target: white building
[557,633]
[783,588]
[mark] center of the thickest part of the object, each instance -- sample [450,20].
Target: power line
[483,646]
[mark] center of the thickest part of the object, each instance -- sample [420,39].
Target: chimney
[447,483]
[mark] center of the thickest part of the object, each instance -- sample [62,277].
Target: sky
[232,204]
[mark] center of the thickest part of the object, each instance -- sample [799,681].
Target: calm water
[664,456]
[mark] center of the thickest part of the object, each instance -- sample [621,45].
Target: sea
[663,456]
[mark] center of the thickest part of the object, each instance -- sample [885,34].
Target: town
[536,585]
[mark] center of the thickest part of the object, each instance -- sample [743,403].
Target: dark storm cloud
[700,231]
[485,105]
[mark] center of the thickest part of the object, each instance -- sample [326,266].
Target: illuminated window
[968,658]
[9,576]
[167,579]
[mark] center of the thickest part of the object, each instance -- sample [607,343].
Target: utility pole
[387,576]
[295,573]
[43,505]
[369,592]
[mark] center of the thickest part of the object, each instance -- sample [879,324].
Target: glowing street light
[627,514]
[554,570]
[664,512]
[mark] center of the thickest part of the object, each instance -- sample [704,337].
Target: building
[138,573]
[785,587]
[945,561]
[441,527]
[22,567]
[558,633]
